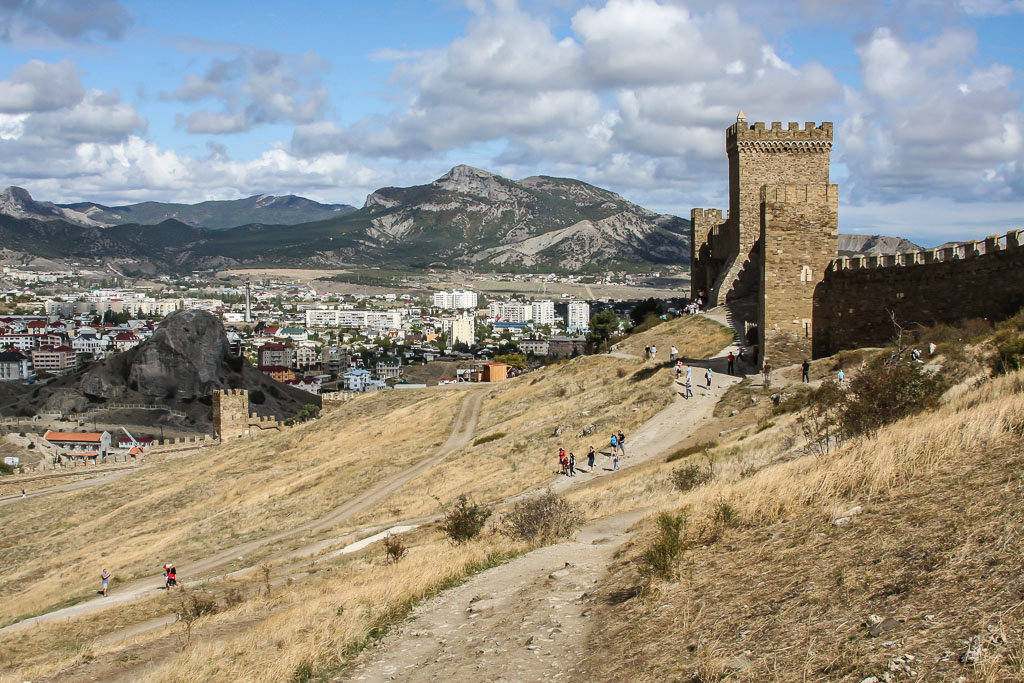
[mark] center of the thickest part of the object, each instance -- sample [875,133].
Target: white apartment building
[354,317]
[544,312]
[578,316]
[457,299]
[511,311]
[458,329]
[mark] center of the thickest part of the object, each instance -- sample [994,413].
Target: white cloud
[67,19]
[257,86]
[41,86]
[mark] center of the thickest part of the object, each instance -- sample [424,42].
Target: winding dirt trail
[526,620]
[462,433]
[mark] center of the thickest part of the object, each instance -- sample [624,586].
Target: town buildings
[459,299]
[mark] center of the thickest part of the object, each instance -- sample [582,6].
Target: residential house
[84,444]
[564,347]
[310,384]
[538,347]
[278,373]
[56,360]
[14,365]
[356,380]
[126,340]
[388,367]
[276,355]
[306,356]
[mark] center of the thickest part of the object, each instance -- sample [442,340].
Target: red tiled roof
[84,437]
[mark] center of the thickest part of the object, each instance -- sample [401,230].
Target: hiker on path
[806,370]
[707,376]
[591,454]
[679,369]
[688,390]
[615,461]
[615,444]
[572,465]
[654,352]
[842,377]
[766,370]
[672,353]
[647,352]
[562,462]
[732,360]
[622,443]
[23,494]
[105,578]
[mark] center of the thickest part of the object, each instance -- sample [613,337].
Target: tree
[644,309]
[516,360]
[603,325]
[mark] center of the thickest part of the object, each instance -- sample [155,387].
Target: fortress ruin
[232,419]
[778,246]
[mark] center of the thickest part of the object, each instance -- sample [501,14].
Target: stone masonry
[779,236]
[799,239]
[231,417]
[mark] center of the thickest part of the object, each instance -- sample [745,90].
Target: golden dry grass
[243,491]
[940,534]
[222,496]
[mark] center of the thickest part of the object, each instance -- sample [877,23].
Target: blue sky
[120,102]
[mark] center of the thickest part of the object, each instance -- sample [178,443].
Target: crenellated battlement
[706,214]
[231,392]
[992,244]
[811,138]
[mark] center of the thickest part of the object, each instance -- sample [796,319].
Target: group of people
[567,461]
[170,577]
[650,352]
[688,383]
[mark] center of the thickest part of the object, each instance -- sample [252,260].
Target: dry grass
[696,337]
[243,491]
[56,546]
[940,535]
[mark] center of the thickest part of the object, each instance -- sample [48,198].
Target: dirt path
[94,481]
[462,433]
[523,621]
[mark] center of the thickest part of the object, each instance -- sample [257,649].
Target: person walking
[615,444]
[622,443]
[654,352]
[707,377]
[591,454]
[688,390]
[806,370]
[563,462]
[766,370]
[842,377]
[732,361]
[679,370]
[105,578]
[572,465]
[615,460]
[672,353]
[23,494]
[647,353]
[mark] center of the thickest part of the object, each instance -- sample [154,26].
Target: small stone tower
[231,413]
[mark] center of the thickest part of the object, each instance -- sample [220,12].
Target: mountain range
[215,215]
[467,218]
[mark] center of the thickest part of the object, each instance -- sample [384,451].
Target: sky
[119,102]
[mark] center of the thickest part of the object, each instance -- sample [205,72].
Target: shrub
[488,438]
[394,549]
[541,518]
[1009,341]
[691,476]
[886,391]
[257,397]
[660,559]
[820,424]
[463,521]
[5,469]
[690,450]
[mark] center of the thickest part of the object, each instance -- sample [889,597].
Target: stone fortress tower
[773,260]
[778,238]
[231,413]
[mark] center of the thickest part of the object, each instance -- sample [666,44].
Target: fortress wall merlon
[1014,239]
[815,136]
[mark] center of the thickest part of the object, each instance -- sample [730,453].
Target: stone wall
[702,223]
[231,413]
[977,280]
[799,239]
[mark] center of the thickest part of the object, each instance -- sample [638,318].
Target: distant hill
[177,368]
[850,245]
[466,218]
[216,215]
[16,202]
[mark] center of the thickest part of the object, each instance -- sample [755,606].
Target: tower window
[805,274]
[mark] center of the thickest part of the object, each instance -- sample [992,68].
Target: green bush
[541,518]
[886,391]
[690,450]
[689,477]
[464,521]
[660,559]
[488,438]
[1009,342]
